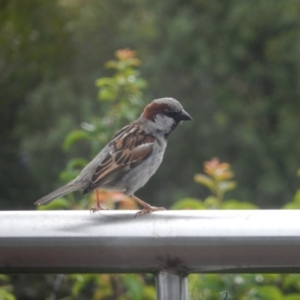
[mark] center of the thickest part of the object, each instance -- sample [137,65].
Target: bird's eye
[170,113]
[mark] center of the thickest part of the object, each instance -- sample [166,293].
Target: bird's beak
[184,116]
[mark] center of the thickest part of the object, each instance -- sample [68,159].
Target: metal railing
[170,244]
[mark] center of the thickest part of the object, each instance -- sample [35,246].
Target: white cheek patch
[164,123]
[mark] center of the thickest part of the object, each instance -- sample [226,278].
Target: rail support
[170,285]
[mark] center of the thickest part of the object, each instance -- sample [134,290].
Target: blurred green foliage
[245,287]
[6,288]
[233,64]
[218,178]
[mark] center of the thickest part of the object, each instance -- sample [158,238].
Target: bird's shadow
[108,218]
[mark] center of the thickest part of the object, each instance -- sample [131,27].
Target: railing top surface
[183,241]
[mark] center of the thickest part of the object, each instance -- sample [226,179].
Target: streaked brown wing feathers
[130,148]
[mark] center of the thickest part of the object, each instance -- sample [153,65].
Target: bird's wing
[130,147]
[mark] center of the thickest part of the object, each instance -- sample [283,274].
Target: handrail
[180,242]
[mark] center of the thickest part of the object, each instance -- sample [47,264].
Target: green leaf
[291,297]
[80,282]
[73,169]
[212,202]
[57,204]
[295,204]
[134,285]
[226,186]
[291,205]
[291,281]
[73,137]
[274,278]
[188,203]
[5,295]
[112,64]
[77,163]
[4,277]
[107,94]
[104,81]
[149,293]
[297,197]
[235,204]
[204,180]
[269,292]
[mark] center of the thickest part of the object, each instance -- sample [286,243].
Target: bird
[131,157]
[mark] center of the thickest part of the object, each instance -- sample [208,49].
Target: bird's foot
[97,208]
[148,209]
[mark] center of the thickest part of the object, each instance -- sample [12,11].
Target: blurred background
[234,65]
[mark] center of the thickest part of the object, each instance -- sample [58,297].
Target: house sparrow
[133,155]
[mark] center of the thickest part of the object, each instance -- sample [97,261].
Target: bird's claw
[148,209]
[97,208]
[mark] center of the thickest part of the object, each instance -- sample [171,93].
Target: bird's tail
[70,187]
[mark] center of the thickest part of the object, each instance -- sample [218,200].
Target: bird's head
[165,114]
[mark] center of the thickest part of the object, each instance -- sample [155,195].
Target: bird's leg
[147,208]
[98,200]
[98,207]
